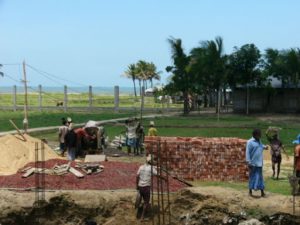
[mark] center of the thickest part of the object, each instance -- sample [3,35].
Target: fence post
[15,98]
[40,98]
[90,97]
[117,100]
[65,98]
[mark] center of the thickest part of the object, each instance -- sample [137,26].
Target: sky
[91,42]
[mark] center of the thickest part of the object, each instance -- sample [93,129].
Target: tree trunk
[151,81]
[205,100]
[140,86]
[133,80]
[247,100]
[211,101]
[185,103]
[225,96]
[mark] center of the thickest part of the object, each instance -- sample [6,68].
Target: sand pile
[16,153]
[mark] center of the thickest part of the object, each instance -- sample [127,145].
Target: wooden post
[25,121]
[15,98]
[90,97]
[65,98]
[40,98]
[117,99]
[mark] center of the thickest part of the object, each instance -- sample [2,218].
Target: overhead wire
[54,78]
[45,74]
[57,77]
[29,87]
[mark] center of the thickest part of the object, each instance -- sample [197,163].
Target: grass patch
[280,186]
[45,119]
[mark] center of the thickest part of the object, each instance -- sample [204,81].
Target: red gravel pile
[116,175]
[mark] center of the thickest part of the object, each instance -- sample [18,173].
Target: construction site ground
[114,205]
[189,205]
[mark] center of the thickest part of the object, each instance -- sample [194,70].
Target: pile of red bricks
[207,159]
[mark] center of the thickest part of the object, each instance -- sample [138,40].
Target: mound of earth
[15,153]
[189,207]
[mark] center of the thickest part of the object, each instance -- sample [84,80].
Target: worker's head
[256,133]
[69,120]
[148,159]
[151,124]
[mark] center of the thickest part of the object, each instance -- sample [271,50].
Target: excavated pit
[188,208]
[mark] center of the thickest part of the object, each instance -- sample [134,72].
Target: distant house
[271,99]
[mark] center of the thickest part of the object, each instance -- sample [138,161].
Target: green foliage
[142,71]
[284,65]
[181,79]
[244,66]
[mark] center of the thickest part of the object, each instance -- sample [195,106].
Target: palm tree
[181,79]
[214,62]
[131,72]
[152,73]
[142,67]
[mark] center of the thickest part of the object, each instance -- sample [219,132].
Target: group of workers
[75,141]
[254,159]
[135,135]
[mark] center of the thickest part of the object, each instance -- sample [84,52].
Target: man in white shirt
[143,182]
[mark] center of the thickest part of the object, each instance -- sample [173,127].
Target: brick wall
[208,159]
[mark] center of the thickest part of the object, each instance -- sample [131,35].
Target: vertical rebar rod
[36,163]
[161,184]
[166,150]
[43,180]
[152,197]
[157,179]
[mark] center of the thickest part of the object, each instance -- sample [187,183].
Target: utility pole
[25,121]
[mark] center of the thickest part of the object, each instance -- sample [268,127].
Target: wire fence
[72,99]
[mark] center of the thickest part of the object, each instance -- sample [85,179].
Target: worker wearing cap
[152,130]
[143,182]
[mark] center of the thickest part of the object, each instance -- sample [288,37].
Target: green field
[44,119]
[202,125]
[82,100]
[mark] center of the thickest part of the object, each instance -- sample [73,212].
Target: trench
[187,207]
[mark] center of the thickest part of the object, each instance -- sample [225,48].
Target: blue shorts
[131,142]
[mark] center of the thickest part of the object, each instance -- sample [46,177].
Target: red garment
[81,133]
[297,157]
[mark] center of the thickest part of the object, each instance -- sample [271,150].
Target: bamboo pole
[18,130]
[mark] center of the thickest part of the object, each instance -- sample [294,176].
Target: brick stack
[207,159]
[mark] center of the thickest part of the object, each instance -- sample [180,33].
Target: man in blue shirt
[254,159]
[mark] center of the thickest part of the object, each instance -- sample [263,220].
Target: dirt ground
[197,205]
[190,206]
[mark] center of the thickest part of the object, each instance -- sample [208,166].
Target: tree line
[208,71]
